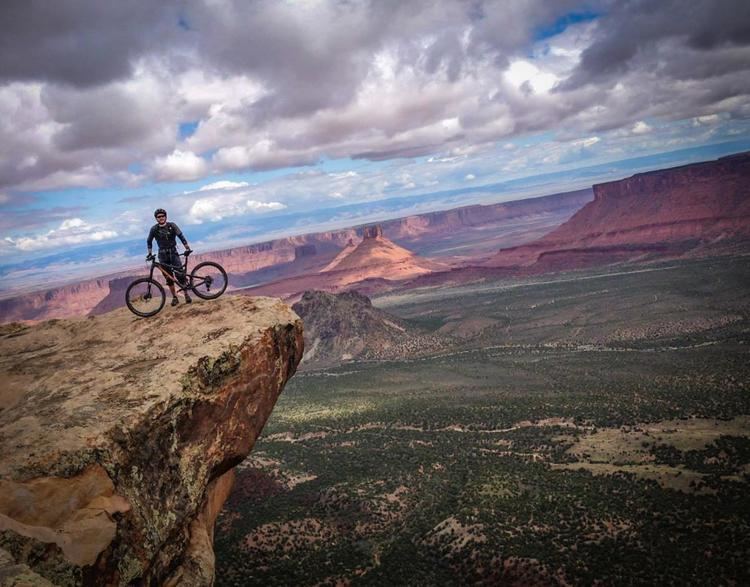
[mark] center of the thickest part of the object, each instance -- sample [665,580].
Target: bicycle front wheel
[208,280]
[145,297]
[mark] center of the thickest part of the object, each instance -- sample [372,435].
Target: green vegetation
[601,434]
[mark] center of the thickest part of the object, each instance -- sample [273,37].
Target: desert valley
[551,391]
[374,293]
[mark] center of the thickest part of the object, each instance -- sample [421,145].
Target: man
[165,234]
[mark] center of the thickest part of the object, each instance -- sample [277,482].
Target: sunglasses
[161,215]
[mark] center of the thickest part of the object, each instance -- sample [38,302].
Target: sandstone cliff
[377,257]
[75,299]
[670,211]
[120,436]
[346,326]
[373,264]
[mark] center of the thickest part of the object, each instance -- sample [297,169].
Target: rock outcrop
[666,212]
[346,326]
[120,435]
[373,260]
[377,257]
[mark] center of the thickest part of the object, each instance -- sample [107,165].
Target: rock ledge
[120,435]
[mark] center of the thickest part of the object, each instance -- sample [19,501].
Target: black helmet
[159,211]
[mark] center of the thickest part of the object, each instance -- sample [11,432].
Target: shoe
[175,301]
[188,299]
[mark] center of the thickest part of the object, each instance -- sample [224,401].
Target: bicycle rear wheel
[145,297]
[208,280]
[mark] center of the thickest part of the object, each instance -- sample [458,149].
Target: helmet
[159,211]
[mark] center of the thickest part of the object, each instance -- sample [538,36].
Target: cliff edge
[120,435]
[688,210]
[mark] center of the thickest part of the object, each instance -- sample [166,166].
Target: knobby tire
[134,294]
[197,283]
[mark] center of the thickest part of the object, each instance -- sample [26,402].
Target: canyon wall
[670,211]
[106,293]
[120,436]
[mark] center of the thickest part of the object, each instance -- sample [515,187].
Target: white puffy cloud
[71,232]
[223,185]
[180,166]
[640,128]
[213,209]
[706,120]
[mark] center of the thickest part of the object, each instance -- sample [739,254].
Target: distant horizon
[52,265]
[248,121]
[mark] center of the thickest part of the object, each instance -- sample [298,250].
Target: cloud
[640,128]
[706,120]
[217,208]
[180,166]
[83,43]
[636,35]
[274,84]
[71,232]
[223,185]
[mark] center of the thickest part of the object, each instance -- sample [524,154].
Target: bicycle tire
[199,289]
[133,294]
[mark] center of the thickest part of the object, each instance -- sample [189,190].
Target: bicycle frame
[169,272]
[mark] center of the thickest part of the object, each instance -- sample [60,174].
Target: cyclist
[166,234]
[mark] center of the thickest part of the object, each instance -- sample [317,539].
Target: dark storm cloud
[630,35]
[102,117]
[318,60]
[80,42]
[90,89]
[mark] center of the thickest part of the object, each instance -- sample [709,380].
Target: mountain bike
[145,296]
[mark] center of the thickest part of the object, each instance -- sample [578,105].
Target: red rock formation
[375,260]
[377,257]
[668,211]
[120,435]
[433,224]
[75,299]
[341,327]
[272,260]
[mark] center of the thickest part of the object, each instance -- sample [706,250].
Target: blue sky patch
[563,23]
[187,129]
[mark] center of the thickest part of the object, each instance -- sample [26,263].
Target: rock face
[377,257]
[670,211]
[59,302]
[374,260]
[116,296]
[120,435]
[435,224]
[345,326]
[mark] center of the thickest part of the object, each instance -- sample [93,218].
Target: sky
[253,119]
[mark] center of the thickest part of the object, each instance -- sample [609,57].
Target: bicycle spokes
[208,280]
[144,298]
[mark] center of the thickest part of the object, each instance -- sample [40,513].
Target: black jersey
[165,236]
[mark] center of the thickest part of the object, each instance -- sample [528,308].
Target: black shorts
[170,257]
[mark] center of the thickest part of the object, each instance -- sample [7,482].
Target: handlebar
[186,253]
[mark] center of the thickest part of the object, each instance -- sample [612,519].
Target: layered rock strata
[284,257]
[120,435]
[665,212]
